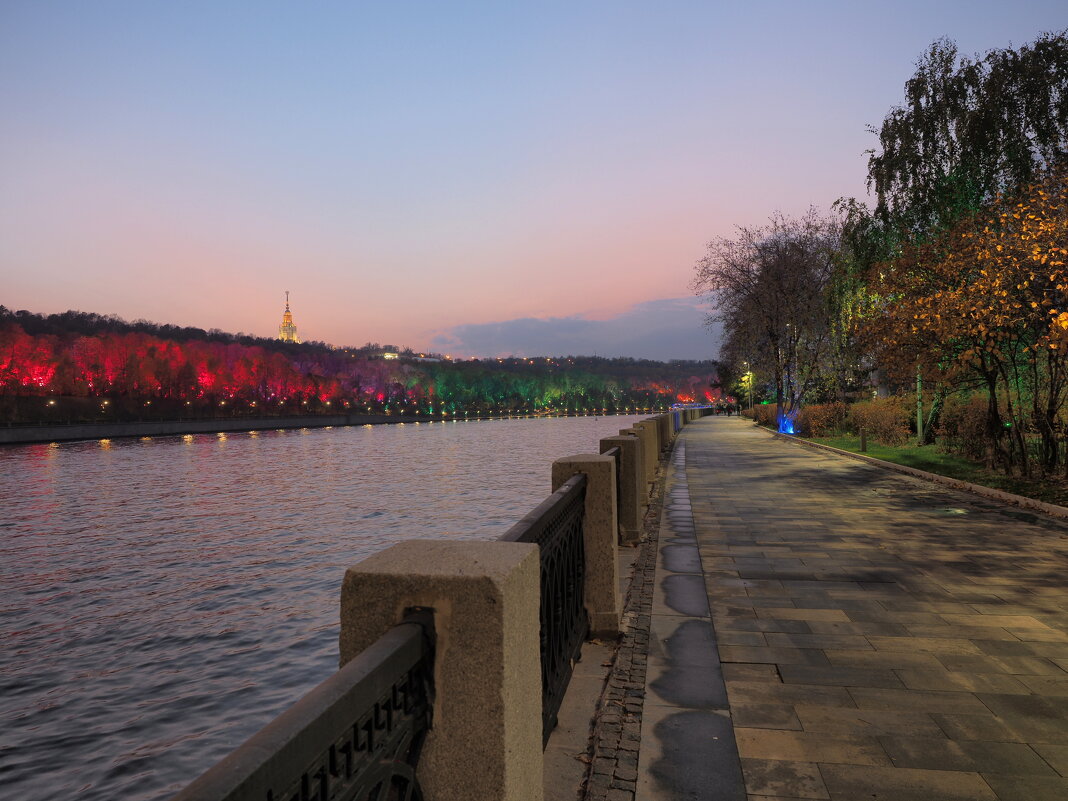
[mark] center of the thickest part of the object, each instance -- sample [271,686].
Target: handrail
[532,524]
[355,735]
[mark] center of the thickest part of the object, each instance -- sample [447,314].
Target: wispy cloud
[658,329]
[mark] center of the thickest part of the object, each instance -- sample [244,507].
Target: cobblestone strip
[613,755]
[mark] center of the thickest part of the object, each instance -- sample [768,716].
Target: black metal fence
[355,737]
[556,526]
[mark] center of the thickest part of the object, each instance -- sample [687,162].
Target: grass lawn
[932,460]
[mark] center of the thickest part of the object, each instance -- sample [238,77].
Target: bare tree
[768,286]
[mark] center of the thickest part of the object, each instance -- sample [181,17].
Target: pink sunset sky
[478,178]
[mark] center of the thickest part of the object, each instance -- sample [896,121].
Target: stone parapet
[630,479]
[664,430]
[487,724]
[649,432]
[599,532]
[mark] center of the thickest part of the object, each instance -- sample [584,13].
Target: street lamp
[749,383]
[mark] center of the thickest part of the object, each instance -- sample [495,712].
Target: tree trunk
[933,418]
[778,396]
[997,455]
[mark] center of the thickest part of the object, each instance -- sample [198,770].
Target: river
[162,599]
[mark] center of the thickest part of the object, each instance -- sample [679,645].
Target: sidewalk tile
[795,746]
[786,779]
[849,782]
[839,676]
[1027,788]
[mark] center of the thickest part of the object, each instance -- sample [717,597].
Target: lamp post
[749,383]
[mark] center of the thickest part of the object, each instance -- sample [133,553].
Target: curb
[997,495]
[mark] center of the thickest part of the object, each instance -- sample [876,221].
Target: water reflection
[163,598]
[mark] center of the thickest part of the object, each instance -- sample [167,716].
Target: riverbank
[24,435]
[83,431]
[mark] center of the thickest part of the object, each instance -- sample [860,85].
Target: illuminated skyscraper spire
[287,332]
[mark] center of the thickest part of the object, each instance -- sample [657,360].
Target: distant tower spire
[287,331]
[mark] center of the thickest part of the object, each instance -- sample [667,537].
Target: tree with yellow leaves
[987,301]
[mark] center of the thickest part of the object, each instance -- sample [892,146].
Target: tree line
[79,365]
[951,287]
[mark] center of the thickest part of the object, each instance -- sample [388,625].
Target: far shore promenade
[822,628]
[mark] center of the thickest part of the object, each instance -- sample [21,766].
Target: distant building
[287,331]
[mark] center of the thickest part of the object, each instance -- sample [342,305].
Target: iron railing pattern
[355,737]
[556,526]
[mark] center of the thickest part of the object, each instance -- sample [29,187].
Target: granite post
[599,532]
[486,735]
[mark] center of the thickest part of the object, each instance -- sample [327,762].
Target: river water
[162,599]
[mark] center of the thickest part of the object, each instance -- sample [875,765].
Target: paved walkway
[822,628]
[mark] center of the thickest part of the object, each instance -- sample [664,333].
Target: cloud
[658,329]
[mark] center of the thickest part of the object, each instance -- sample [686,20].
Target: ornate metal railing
[556,526]
[355,737]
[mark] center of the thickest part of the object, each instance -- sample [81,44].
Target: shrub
[962,426]
[820,419]
[764,414]
[886,420]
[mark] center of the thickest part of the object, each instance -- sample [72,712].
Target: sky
[471,178]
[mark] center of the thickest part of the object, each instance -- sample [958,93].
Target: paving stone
[772,656]
[1027,788]
[1007,728]
[839,676]
[943,754]
[760,624]
[1012,665]
[869,722]
[1038,635]
[1004,621]
[902,618]
[1061,662]
[853,642]
[795,746]
[1055,708]
[785,613]
[904,784]
[858,627]
[1052,650]
[927,701]
[764,716]
[934,645]
[932,679]
[743,671]
[789,779]
[1046,685]
[752,692]
[1055,755]
[746,638]
[888,660]
[962,632]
